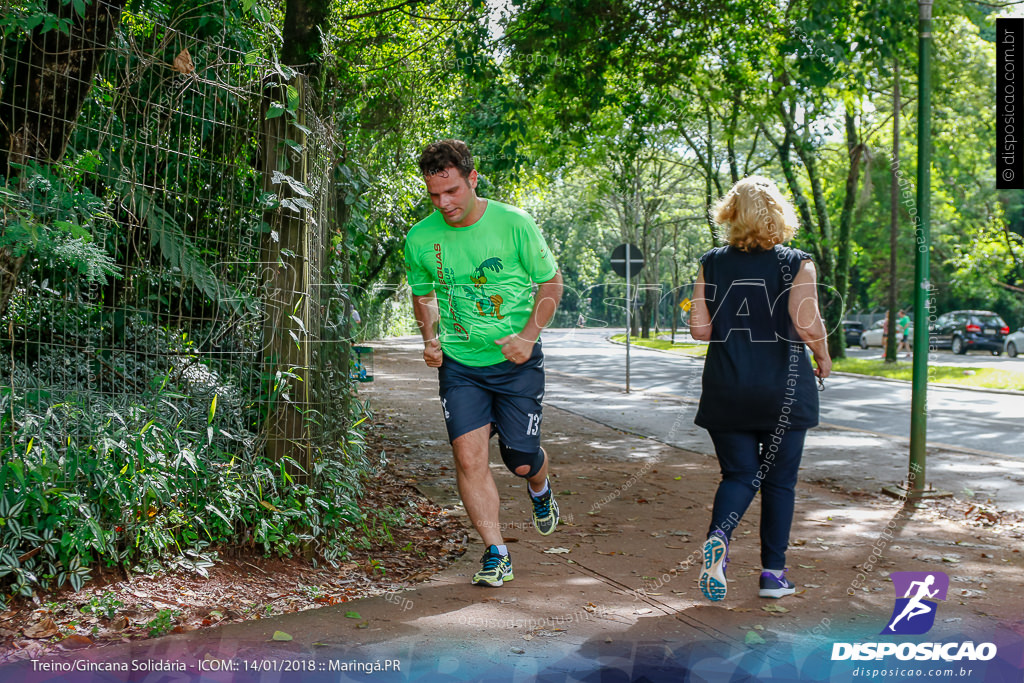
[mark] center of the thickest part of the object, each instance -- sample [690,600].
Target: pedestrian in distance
[903,326]
[472,265]
[885,331]
[756,303]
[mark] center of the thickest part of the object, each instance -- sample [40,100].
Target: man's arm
[519,347]
[424,308]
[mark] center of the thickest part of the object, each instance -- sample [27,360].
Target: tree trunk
[285,260]
[43,99]
[894,214]
[842,278]
[304,20]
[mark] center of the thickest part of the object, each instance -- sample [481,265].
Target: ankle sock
[538,494]
[777,573]
[502,549]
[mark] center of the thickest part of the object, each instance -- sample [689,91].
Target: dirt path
[611,588]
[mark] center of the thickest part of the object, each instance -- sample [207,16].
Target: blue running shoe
[545,511]
[716,557]
[496,570]
[775,586]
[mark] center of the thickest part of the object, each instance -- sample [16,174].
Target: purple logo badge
[916,593]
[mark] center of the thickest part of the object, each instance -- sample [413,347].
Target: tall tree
[43,93]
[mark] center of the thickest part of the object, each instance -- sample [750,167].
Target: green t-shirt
[483,276]
[903,323]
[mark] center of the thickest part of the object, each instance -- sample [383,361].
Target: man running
[903,324]
[472,265]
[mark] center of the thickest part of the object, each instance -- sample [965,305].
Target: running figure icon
[917,596]
[915,606]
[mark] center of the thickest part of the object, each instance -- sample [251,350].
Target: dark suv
[852,331]
[962,331]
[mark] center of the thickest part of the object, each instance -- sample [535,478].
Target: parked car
[852,330]
[1014,343]
[873,335]
[961,331]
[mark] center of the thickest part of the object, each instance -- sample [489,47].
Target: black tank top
[757,375]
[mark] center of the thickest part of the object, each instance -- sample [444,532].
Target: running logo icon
[914,612]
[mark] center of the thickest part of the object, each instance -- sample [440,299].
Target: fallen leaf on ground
[645,610]
[775,608]
[557,551]
[352,615]
[808,566]
[281,635]
[74,642]
[518,651]
[753,639]
[44,629]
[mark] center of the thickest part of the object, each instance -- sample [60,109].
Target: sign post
[626,261]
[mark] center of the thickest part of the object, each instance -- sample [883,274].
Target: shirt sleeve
[534,253]
[420,279]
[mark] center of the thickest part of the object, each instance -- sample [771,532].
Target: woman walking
[756,302]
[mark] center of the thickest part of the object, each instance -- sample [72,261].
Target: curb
[943,385]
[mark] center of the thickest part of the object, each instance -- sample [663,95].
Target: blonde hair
[755,215]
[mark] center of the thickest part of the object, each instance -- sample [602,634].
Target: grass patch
[665,345]
[983,378]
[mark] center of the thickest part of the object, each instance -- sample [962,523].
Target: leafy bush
[159,485]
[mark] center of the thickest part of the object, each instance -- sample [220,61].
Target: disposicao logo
[912,615]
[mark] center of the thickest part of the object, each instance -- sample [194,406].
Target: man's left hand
[515,348]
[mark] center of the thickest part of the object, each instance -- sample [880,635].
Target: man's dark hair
[439,156]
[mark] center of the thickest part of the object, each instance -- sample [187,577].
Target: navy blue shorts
[506,396]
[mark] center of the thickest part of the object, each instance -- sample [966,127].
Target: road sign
[627,260]
[636,260]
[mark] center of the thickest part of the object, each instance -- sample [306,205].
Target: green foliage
[50,216]
[24,17]
[162,623]
[160,486]
[105,605]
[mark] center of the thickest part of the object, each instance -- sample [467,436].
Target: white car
[1014,343]
[873,335]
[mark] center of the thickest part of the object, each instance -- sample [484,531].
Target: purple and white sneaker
[775,586]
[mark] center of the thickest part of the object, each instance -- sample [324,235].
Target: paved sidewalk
[607,591]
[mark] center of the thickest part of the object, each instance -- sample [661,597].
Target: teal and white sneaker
[712,575]
[545,511]
[497,569]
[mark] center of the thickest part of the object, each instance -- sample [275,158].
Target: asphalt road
[977,421]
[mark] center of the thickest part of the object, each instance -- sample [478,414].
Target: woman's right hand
[824,364]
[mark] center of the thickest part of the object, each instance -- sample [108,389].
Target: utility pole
[922,281]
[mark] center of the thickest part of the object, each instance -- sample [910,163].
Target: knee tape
[514,459]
